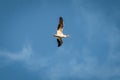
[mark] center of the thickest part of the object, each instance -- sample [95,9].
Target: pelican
[59,35]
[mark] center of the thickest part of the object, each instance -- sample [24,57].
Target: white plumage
[59,35]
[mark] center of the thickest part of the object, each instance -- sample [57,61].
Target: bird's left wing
[59,41]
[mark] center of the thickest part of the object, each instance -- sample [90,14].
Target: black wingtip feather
[60,42]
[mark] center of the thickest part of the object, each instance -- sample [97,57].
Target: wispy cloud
[66,63]
[26,56]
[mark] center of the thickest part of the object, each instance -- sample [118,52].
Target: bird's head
[67,35]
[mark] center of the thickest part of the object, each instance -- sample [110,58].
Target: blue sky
[28,50]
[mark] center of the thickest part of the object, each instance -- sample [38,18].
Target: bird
[59,35]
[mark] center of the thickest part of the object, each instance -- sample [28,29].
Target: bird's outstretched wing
[59,41]
[60,25]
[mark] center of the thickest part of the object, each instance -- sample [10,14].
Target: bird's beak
[68,35]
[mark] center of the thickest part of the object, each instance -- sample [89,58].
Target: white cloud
[24,54]
[65,63]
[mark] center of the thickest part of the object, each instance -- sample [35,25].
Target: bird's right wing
[60,25]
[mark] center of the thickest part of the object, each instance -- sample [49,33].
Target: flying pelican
[59,35]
